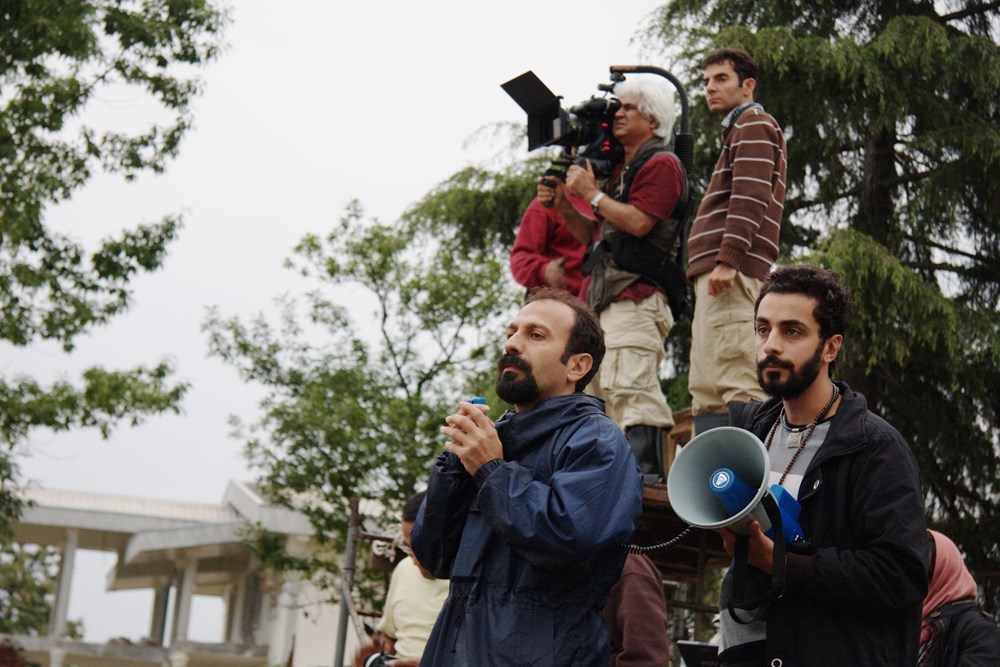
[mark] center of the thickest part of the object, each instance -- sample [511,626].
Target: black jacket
[964,637]
[854,596]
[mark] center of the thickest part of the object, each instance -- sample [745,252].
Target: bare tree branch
[954,251]
[793,205]
[967,271]
[969,11]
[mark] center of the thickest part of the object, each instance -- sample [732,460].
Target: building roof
[151,536]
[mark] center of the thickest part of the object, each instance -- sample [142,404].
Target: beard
[798,379]
[512,389]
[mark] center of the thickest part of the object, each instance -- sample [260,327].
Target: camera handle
[558,170]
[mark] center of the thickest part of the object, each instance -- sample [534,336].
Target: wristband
[595,201]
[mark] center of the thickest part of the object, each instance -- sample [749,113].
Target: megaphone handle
[760,606]
[778,557]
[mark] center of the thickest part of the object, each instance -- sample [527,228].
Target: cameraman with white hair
[635,228]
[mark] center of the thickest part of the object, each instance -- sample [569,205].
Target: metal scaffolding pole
[348,577]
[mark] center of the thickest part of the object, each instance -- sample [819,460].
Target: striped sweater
[740,215]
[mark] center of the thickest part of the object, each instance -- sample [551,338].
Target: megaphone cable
[657,548]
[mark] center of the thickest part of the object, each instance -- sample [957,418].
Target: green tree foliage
[892,116]
[55,57]
[27,589]
[354,412]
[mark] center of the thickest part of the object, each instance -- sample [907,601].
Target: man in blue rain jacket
[528,516]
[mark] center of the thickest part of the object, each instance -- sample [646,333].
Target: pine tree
[893,121]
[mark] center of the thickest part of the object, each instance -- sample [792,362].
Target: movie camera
[584,131]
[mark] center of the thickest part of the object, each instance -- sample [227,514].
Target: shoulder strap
[682,202]
[633,168]
[679,214]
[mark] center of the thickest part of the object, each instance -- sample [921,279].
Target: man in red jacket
[636,614]
[545,252]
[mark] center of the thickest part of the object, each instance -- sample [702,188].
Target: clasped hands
[473,437]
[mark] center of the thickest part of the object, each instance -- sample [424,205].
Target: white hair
[655,100]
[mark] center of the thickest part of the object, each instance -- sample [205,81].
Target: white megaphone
[719,480]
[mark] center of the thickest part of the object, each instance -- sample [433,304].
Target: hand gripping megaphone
[719,480]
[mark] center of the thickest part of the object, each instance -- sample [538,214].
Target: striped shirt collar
[735,113]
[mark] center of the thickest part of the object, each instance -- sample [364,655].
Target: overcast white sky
[313,104]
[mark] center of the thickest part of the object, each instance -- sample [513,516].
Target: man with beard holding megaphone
[853,589]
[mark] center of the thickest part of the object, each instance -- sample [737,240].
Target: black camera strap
[629,171]
[642,257]
[758,607]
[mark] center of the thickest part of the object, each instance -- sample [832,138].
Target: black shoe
[647,446]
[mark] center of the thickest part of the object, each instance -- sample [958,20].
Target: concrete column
[253,603]
[236,612]
[283,629]
[182,605]
[179,659]
[158,623]
[57,621]
[56,657]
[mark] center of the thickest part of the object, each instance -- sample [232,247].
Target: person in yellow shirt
[413,602]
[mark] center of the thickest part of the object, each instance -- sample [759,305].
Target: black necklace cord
[809,431]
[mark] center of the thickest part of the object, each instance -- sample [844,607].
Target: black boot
[712,420]
[647,446]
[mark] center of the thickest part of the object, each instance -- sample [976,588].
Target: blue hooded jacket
[533,543]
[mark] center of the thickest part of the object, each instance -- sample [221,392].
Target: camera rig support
[683,140]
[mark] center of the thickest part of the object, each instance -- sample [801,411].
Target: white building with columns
[177,550]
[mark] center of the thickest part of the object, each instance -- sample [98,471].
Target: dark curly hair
[833,300]
[586,336]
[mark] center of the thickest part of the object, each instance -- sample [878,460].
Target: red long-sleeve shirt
[542,237]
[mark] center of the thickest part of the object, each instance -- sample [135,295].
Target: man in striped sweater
[733,241]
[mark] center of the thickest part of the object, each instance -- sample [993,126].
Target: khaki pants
[723,352]
[627,380]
